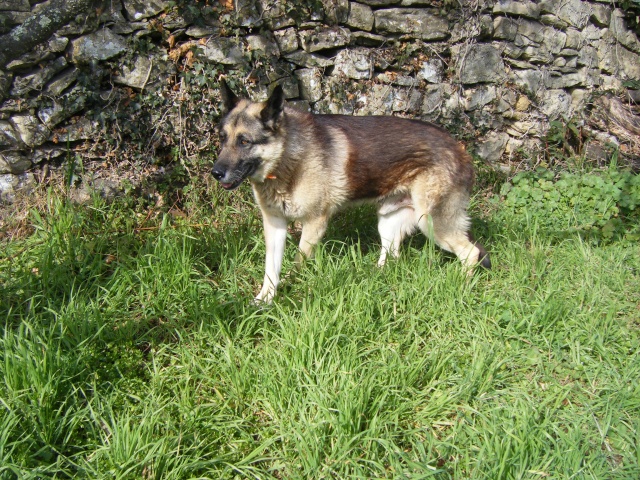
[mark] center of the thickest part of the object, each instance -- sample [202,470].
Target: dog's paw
[258,302]
[265,297]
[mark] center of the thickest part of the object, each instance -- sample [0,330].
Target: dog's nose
[218,173]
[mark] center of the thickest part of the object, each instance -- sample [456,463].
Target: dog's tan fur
[306,167]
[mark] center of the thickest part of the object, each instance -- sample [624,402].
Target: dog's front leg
[312,232]
[275,236]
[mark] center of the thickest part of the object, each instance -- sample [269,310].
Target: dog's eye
[244,142]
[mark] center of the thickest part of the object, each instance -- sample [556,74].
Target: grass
[131,352]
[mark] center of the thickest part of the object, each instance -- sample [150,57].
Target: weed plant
[600,206]
[130,349]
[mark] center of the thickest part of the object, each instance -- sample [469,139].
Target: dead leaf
[226,4]
[190,58]
[176,53]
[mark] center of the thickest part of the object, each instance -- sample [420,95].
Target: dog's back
[385,152]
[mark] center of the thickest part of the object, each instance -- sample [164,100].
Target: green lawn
[136,353]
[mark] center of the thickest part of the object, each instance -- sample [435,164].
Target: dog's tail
[483,256]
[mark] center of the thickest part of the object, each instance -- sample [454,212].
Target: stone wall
[133,85]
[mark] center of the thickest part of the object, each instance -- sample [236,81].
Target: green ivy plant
[601,206]
[631,10]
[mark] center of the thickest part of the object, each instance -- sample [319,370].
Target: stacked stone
[40,95]
[506,68]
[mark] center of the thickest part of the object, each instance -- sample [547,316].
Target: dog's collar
[270,177]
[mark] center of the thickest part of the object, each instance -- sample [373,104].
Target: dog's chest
[292,204]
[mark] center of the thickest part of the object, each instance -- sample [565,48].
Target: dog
[305,167]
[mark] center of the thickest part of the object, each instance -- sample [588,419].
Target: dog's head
[250,140]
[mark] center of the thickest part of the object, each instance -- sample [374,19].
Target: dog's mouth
[245,170]
[233,185]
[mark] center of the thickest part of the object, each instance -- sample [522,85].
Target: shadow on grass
[136,283]
[143,283]
[148,281]
[359,227]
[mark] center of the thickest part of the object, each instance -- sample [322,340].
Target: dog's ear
[229,99]
[272,112]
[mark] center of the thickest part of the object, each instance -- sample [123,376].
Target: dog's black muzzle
[231,178]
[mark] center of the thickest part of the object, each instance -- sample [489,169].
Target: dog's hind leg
[444,219]
[450,227]
[393,227]
[451,234]
[275,236]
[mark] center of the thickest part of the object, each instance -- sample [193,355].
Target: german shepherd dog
[305,167]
